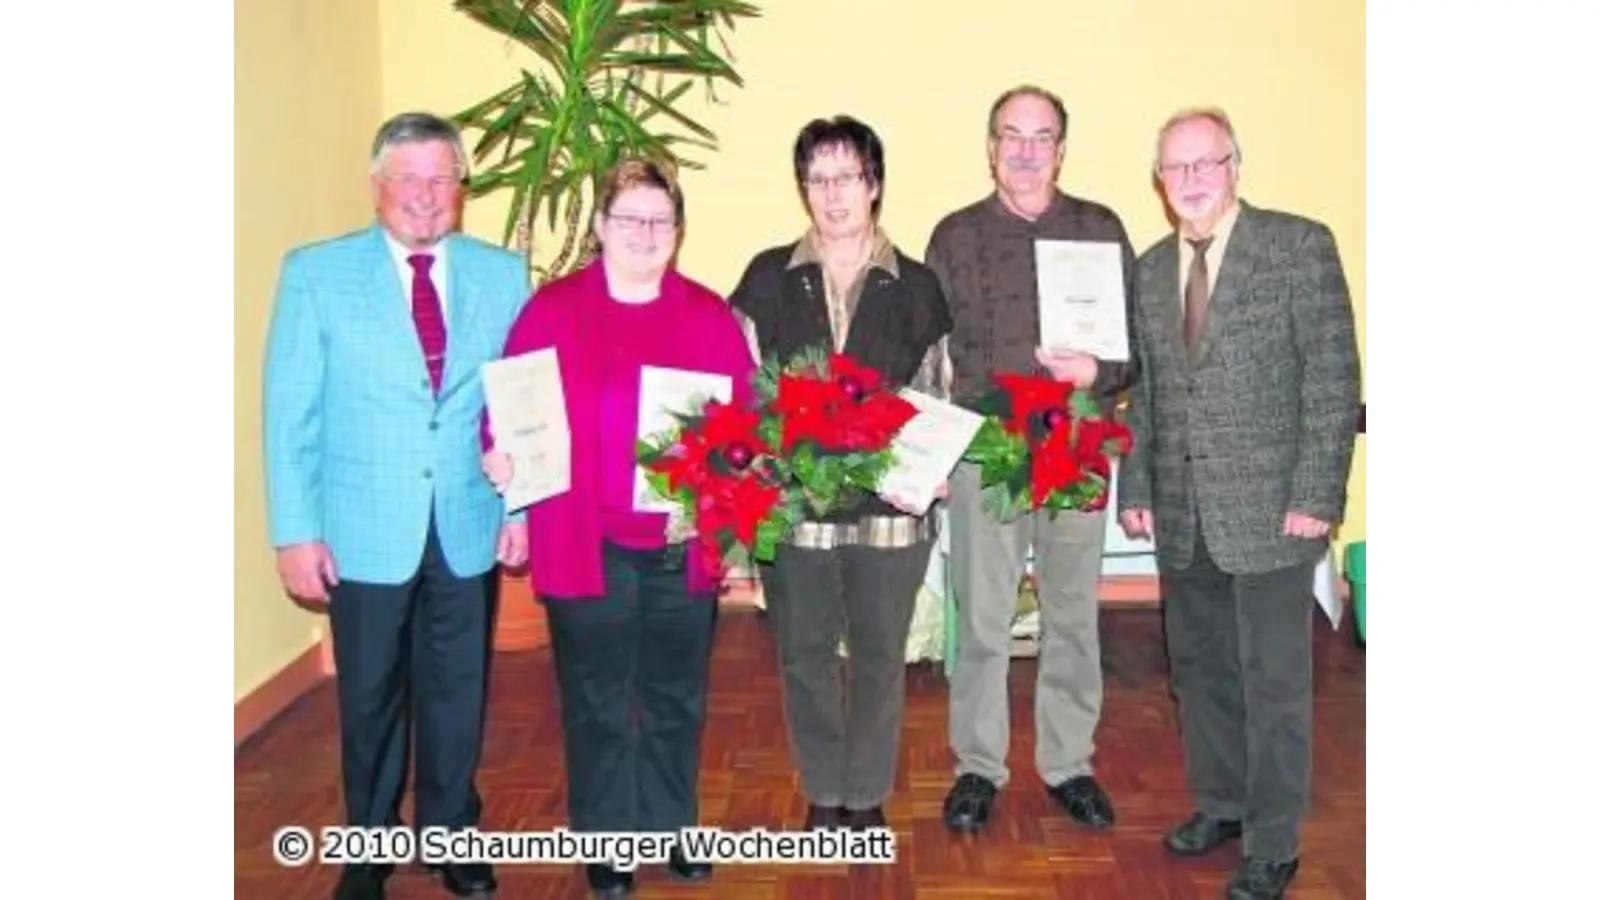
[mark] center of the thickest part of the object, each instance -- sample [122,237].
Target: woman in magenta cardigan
[630,624]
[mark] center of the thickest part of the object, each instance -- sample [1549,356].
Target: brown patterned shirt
[983,256]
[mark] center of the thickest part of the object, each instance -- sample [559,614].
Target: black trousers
[414,654]
[631,668]
[844,716]
[1240,647]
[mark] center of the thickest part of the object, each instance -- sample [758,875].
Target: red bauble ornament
[738,455]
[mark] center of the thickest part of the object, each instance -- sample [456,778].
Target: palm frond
[609,83]
[528,22]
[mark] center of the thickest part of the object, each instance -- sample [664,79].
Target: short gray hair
[1213,114]
[416,128]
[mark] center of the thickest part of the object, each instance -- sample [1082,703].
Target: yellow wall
[1293,75]
[306,100]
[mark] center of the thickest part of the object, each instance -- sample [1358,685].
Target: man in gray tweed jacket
[1244,424]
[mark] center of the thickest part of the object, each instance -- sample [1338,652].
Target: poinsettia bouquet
[831,421]
[720,473]
[1044,445]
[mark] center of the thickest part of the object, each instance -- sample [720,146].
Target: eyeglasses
[414,183]
[842,180]
[631,223]
[1043,141]
[1200,168]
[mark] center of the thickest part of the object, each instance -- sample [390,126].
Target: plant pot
[520,621]
[1355,572]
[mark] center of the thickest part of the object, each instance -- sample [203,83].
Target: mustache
[1022,164]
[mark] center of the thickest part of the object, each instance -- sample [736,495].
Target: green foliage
[607,82]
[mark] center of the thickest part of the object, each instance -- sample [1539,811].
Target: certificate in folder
[927,449]
[528,418]
[1083,304]
[665,394]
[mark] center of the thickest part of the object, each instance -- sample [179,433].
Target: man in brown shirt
[984,258]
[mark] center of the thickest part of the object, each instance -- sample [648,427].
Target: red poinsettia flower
[1033,399]
[732,432]
[869,426]
[853,380]
[805,403]
[686,463]
[726,424]
[847,411]
[738,504]
[1054,465]
[1094,435]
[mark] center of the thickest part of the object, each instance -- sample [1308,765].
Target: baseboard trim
[274,695]
[1130,591]
[1121,591]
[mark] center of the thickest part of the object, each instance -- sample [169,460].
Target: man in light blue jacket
[378,504]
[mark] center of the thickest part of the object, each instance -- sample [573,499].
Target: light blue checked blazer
[359,453]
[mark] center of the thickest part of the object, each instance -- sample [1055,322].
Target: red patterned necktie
[425,310]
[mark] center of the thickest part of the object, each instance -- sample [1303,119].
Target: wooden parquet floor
[288,774]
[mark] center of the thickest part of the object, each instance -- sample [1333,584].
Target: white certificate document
[528,419]
[663,394]
[927,449]
[1083,305]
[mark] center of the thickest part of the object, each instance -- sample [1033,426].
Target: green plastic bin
[1355,572]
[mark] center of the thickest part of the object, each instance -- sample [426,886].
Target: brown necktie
[1196,294]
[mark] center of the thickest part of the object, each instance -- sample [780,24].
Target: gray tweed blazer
[1263,421]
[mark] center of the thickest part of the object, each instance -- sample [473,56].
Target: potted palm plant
[608,82]
[605,80]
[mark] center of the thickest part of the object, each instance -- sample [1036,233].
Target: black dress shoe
[967,805]
[1201,834]
[360,883]
[682,869]
[474,880]
[864,819]
[1085,801]
[1261,879]
[605,881]
[821,818]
